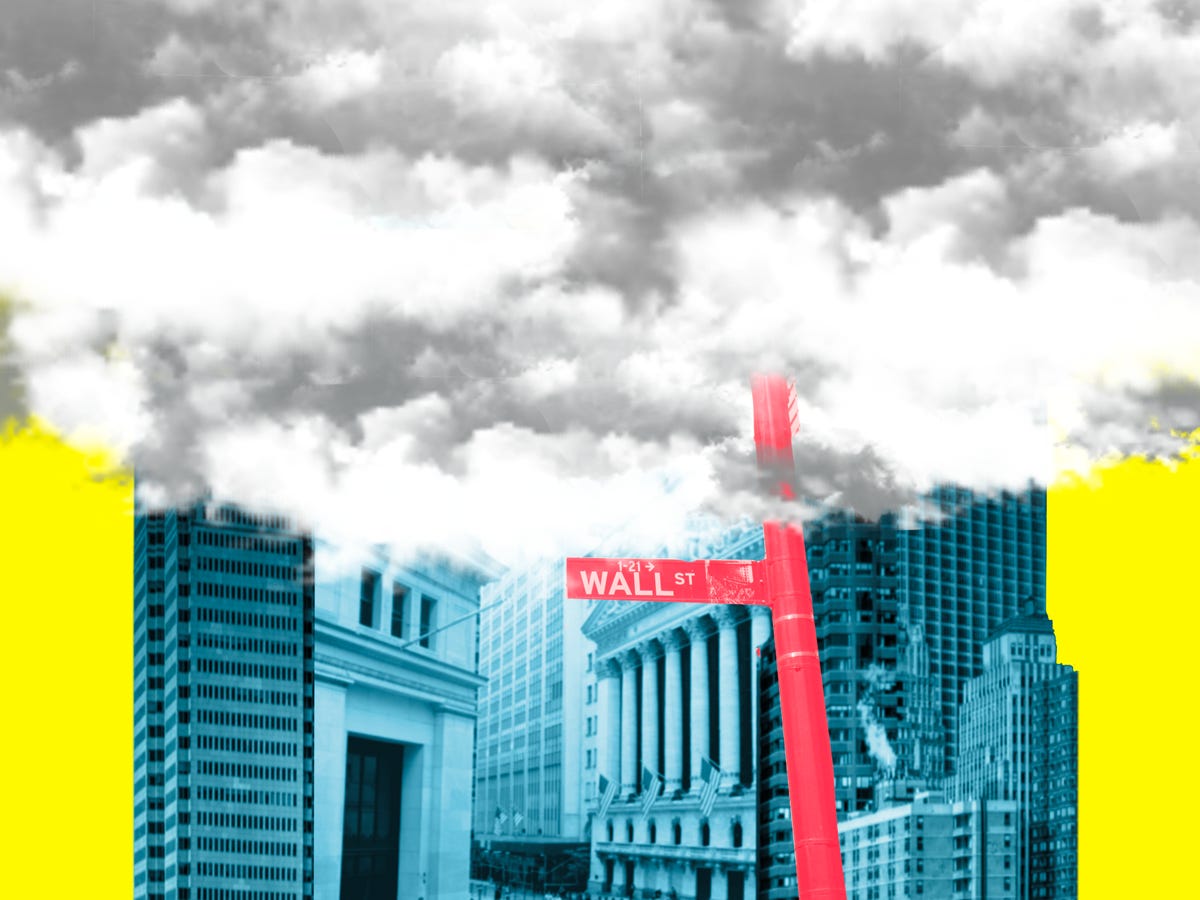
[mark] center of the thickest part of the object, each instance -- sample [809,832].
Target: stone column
[608,672]
[729,709]
[672,641]
[698,637]
[760,633]
[650,653]
[629,773]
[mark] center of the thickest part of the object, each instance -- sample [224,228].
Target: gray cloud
[417,237]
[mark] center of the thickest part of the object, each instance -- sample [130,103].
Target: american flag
[710,774]
[650,785]
[608,793]
[517,818]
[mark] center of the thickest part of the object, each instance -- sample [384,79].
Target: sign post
[780,581]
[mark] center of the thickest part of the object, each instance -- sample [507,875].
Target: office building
[537,726]
[1018,728]
[931,848]
[223,713]
[396,693]
[302,728]
[902,611]
[675,684]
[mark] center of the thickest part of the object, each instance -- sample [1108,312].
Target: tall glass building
[223,707]
[1018,727]
[902,609]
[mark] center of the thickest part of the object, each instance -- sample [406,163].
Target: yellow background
[1121,587]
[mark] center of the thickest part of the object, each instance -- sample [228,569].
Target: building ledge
[725,857]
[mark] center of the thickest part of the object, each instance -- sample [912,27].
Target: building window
[677,832]
[399,601]
[427,619]
[368,599]
[737,834]
[629,831]
[705,834]
[653,833]
[610,830]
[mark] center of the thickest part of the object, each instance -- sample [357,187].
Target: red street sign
[701,581]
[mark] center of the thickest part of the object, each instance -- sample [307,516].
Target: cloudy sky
[428,272]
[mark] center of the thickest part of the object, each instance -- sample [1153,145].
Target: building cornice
[376,657]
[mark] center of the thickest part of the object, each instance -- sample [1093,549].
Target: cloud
[509,271]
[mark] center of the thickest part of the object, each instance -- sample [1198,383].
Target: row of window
[245,795]
[243,745]
[735,832]
[232,845]
[243,644]
[252,873]
[242,694]
[277,546]
[370,608]
[245,670]
[245,770]
[242,820]
[278,596]
[249,619]
[246,720]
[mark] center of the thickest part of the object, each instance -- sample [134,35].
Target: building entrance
[371,827]
[704,884]
[737,885]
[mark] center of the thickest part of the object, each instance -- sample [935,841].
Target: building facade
[223,707]
[931,848]
[676,687]
[300,729]
[902,611]
[1019,729]
[396,693]
[537,714]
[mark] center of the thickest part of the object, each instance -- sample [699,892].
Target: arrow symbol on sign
[650,566]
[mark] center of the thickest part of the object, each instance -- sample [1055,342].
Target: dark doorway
[704,884]
[628,879]
[371,828]
[737,885]
[608,875]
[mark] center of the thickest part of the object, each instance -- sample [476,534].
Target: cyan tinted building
[223,690]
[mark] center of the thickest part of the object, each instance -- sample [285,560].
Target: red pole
[801,693]
[805,727]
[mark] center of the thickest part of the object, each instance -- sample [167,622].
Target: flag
[710,775]
[498,821]
[650,785]
[608,793]
[517,818]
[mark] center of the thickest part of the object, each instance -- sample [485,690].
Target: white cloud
[519,494]
[289,242]
[940,363]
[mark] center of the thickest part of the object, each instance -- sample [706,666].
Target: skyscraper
[1018,725]
[223,711]
[902,611]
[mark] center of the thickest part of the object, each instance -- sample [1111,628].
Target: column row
[619,701]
